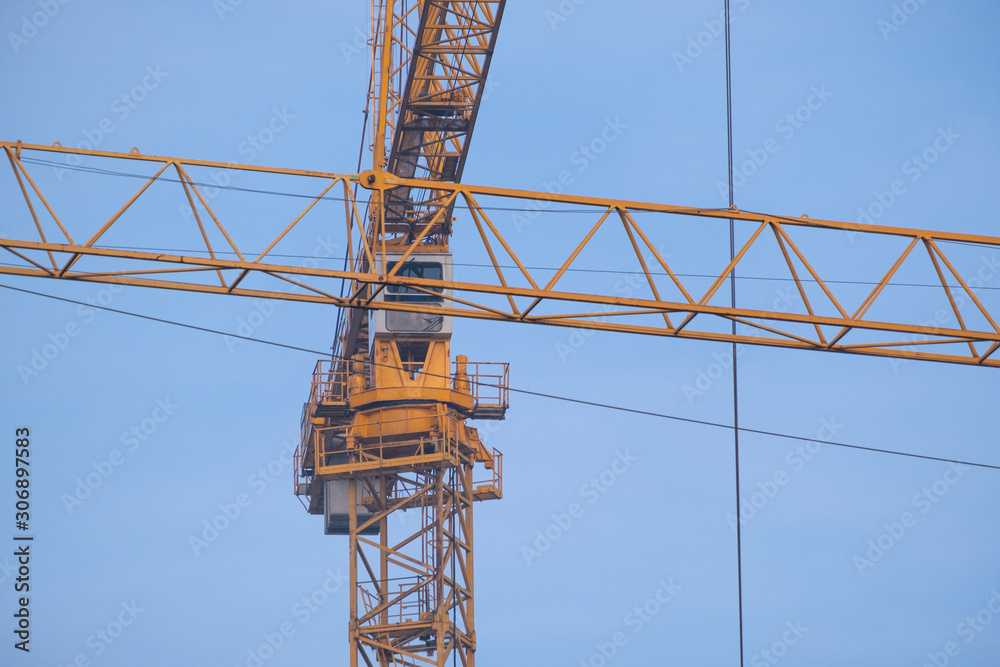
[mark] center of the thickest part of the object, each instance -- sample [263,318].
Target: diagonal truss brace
[847,327]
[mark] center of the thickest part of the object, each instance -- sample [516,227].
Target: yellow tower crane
[384,428]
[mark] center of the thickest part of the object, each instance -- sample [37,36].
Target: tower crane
[384,427]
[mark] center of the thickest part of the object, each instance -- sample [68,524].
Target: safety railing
[301,477]
[487,381]
[489,384]
[414,599]
[328,388]
[329,383]
[493,487]
[387,441]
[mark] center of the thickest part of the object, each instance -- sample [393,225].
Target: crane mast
[429,63]
[384,433]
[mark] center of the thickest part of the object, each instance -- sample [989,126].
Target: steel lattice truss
[426,88]
[447,77]
[427,94]
[509,289]
[411,607]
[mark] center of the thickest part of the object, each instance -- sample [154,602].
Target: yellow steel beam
[885,337]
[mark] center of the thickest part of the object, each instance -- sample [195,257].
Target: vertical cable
[342,312]
[732,294]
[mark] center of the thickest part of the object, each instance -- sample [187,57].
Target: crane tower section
[387,457]
[388,460]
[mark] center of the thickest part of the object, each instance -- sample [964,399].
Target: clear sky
[204,79]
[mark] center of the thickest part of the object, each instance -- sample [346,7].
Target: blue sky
[217,416]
